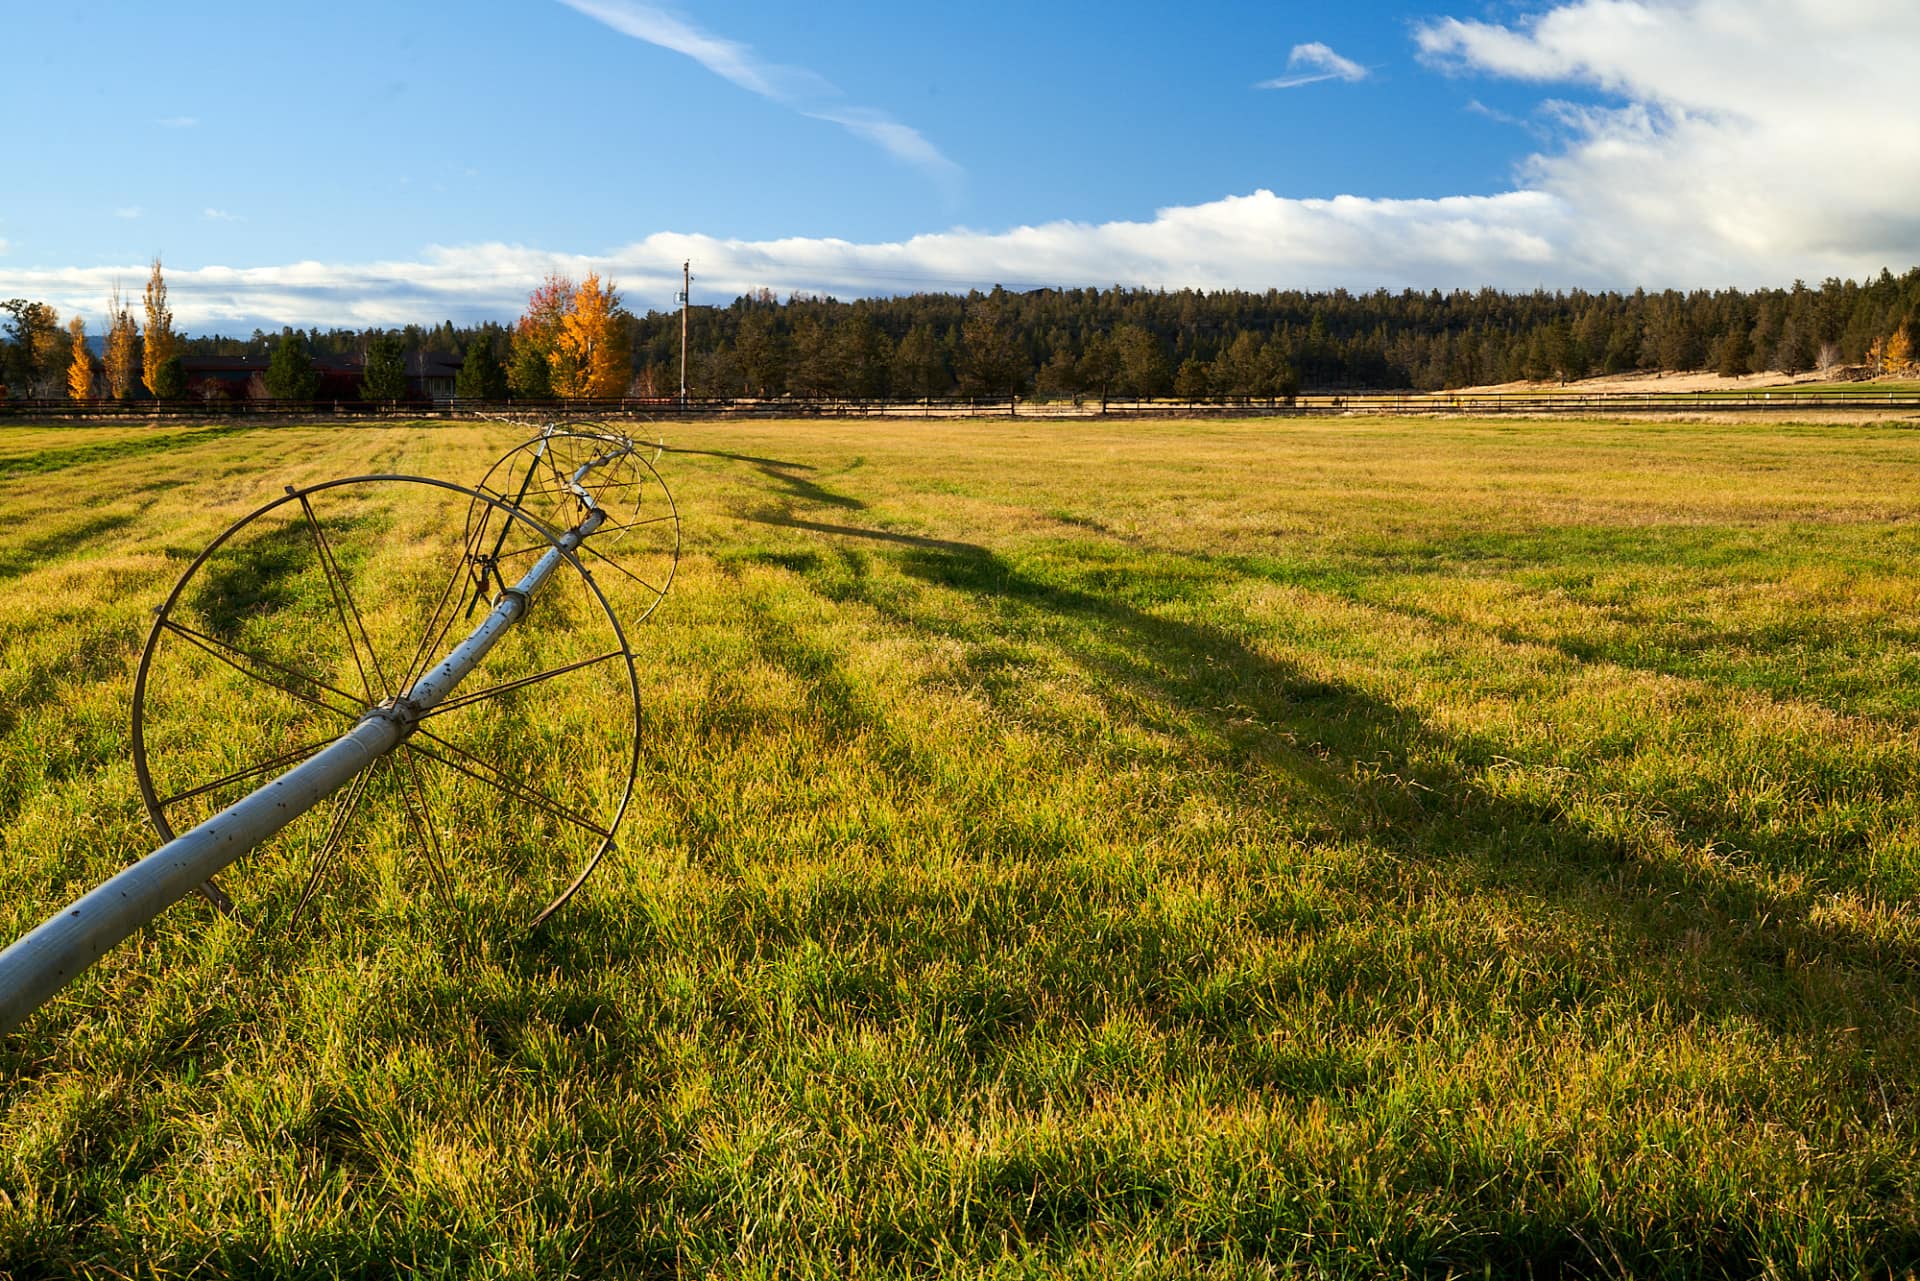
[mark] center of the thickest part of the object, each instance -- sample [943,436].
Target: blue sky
[365,163]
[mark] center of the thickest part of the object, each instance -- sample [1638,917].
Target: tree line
[578,340]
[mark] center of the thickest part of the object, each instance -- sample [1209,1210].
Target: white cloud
[177,122]
[220,215]
[128,211]
[804,91]
[1254,241]
[1751,140]
[1310,64]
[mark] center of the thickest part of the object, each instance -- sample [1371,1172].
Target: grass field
[1324,847]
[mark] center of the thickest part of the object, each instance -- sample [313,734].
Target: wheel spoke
[344,604]
[522,551]
[336,829]
[490,774]
[588,547]
[229,653]
[284,758]
[423,825]
[493,691]
[422,652]
[634,524]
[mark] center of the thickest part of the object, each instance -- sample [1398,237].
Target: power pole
[686,299]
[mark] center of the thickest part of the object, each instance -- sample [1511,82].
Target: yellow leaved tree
[123,341]
[590,358]
[80,372]
[162,343]
[1897,356]
[572,342]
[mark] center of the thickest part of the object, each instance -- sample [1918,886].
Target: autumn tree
[529,365]
[162,344]
[123,347]
[80,372]
[1897,356]
[590,358]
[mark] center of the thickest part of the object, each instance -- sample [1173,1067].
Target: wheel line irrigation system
[53,954]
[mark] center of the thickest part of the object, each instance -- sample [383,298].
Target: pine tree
[810,373]
[80,371]
[1194,381]
[171,382]
[481,375]
[290,373]
[990,362]
[384,375]
[1100,366]
[1143,365]
[861,354]
[1731,353]
[762,353]
[918,369]
[162,344]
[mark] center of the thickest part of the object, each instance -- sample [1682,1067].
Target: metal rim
[671,520]
[163,626]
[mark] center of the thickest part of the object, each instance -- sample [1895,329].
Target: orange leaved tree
[591,358]
[529,372]
[572,342]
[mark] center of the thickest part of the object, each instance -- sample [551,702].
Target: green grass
[1324,847]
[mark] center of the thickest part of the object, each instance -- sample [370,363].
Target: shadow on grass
[52,460]
[49,548]
[1691,938]
[784,520]
[778,463]
[1376,768]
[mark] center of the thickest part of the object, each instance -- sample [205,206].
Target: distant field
[1338,847]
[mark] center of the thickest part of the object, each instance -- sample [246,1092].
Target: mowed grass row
[1328,846]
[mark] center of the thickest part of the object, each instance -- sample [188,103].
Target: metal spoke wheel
[641,538]
[325,604]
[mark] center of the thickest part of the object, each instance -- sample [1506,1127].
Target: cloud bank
[1747,143]
[1754,139]
[1252,241]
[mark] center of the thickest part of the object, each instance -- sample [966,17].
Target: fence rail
[1532,404]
